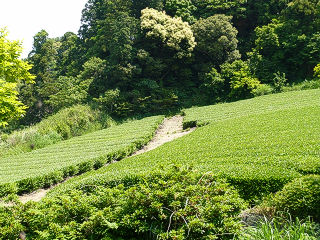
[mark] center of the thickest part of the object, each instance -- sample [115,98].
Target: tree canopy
[13,71]
[146,56]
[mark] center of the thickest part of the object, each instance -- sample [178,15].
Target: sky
[25,18]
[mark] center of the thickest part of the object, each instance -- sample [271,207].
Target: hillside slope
[258,145]
[44,167]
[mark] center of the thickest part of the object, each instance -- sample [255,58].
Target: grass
[44,167]
[258,145]
[282,230]
[67,123]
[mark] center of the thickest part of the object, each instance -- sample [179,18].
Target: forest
[152,56]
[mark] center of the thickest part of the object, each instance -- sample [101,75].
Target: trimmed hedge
[201,116]
[50,165]
[258,154]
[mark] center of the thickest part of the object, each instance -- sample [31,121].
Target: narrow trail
[170,129]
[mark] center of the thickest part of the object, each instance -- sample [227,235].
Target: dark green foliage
[184,9]
[216,40]
[279,81]
[301,197]
[68,91]
[215,86]
[289,43]
[207,8]
[143,49]
[175,204]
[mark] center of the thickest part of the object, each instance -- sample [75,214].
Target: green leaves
[216,40]
[317,71]
[173,33]
[259,145]
[12,71]
[10,106]
[301,197]
[176,204]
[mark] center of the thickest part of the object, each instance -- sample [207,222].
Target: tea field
[258,145]
[44,167]
[258,105]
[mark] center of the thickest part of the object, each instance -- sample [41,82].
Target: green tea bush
[254,106]
[176,204]
[257,153]
[47,166]
[301,197]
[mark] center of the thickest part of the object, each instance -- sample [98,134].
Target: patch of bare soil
[35,196]
[170,129]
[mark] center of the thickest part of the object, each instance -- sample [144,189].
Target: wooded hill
[137,57]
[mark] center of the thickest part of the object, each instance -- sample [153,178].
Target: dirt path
[170,129]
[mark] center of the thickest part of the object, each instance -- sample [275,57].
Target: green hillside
[258,145]
[194,186]
[253,106]
[44,167]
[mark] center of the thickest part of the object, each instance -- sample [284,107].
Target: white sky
[24,18]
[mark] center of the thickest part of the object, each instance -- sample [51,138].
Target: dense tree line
[145,56]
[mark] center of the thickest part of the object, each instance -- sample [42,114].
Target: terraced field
[44,167]
[258,145]
[264,104]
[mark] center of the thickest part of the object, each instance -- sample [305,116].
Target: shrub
[306,84]
[262,89]
[317,71]
[301,197]
[214,85]
[47,166]
[241,80]
[243,85]
[176,204]
[279,81]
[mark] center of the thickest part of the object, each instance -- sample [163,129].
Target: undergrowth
[67,123]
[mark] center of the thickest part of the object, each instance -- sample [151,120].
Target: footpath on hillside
[170,129]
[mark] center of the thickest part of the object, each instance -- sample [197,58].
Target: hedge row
[258,154]
[47,166]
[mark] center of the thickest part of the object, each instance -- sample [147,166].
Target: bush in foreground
[179,204]
[301,197]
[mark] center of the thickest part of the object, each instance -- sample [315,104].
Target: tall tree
[13,71]
[289,44]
